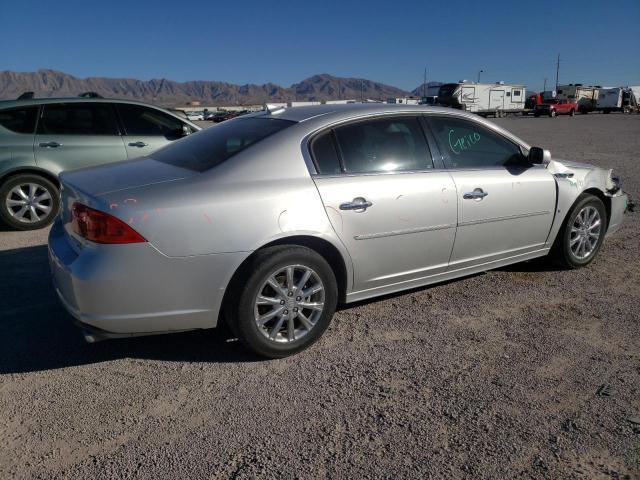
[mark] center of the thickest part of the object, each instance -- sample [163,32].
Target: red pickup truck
[554,106]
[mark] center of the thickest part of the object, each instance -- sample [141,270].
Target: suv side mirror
[538,156]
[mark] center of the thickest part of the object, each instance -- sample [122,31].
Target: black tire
[537,115]
[8,214]
[239,308]
[561,253]
[552,113]
[572,113]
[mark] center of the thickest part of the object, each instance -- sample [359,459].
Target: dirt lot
[523,372]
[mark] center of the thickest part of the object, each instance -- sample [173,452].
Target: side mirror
[538,156]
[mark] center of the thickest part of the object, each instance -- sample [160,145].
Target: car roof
[317,117]
[339,112]
[40,101]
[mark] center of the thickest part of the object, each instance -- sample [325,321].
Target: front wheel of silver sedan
[582,233]
[286,301]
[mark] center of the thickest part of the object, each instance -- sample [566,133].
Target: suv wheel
[28,201]
[288,298]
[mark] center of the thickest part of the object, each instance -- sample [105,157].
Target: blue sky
[287,41]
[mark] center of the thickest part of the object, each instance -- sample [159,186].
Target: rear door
[78,134]
[391,208]
[505,205]
[147,129]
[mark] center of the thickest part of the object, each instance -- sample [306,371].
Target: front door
[393,211]
[75,135]
[505,206]
[147,129]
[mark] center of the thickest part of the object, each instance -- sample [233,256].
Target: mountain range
[52,83]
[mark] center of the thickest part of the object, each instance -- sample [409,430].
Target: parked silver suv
[39,138]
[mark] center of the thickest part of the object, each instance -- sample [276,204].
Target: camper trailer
[585,97]
[632,100]
[610,99]
[495,99]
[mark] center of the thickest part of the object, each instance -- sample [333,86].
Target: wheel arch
[31,170]
[323,247]
[326,249]
[601,195]
[567,199]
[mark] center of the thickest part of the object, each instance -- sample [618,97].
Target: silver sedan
[268,221]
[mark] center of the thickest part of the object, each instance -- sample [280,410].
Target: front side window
[139,120]
[19,120]
[78,119]
[467,144]
[212,146]
[383,145]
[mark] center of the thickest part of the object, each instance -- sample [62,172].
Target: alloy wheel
[29,202]
[289,303]
[585,232]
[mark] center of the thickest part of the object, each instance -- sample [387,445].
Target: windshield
[447,89]
[212,146]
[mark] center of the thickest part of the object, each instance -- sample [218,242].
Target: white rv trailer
[496,99]
[585,97]
[610,99]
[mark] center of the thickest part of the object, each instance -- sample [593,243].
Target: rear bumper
[130,290]
[620,204]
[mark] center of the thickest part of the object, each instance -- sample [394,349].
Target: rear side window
[139,120]
[467,144]
[212,146]
[19,120]
[324,154]
[78,119]
[384,145]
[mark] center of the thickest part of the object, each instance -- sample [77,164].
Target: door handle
[357,203]
[138,144]
[50,144]
[476,194]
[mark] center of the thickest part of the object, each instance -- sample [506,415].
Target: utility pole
[424,83]
[557,71]
[544,89]
[361,90]
[479,72]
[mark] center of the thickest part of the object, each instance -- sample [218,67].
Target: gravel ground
[523,372]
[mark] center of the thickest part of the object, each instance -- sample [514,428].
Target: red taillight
[101,227]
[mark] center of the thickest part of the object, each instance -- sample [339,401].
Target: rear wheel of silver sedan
[287,302]
[28,201]
[582,233]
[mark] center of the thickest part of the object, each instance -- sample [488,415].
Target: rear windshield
[212,146]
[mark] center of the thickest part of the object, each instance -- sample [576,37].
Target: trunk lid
[103,179]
